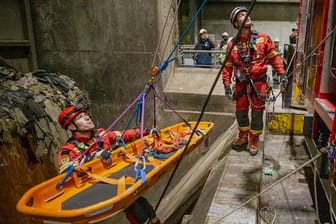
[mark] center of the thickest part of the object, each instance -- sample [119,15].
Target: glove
[228,91]
[284,81]
[147,131]
[104,155]
[120,142]
[88,157]
[284,78]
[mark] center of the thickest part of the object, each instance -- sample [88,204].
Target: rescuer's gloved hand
[88,157]
[147,131]
[283,82]
[228,91]
[104,155]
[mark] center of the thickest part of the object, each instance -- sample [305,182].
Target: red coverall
[76,145]
[264,52]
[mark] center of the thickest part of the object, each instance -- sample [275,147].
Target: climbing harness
[246,55]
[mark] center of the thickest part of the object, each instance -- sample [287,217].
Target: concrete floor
[243,177]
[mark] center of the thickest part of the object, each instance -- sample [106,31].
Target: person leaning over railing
[222,47]
[204,59]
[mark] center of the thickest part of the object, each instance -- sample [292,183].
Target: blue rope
[120,140]
[166,62]
[70,169]
[136,116]
[138,112]
[163,66]
[155,154]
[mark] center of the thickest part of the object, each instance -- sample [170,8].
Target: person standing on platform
[222,47]
[247,62]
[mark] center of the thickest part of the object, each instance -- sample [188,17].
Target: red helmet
[68,114]
[235,12]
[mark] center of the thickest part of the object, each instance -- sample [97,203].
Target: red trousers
[246,97]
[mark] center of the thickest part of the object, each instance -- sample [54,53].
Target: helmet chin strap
[80,130]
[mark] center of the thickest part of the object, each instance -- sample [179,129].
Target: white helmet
[235,12]
[276,39]
[225,34]
[203,31]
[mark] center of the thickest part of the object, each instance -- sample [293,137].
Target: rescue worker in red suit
[77,120]
[84,134]
[248,64]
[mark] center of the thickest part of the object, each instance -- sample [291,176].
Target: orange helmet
[69,113]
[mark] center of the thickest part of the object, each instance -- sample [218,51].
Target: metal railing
[186,53]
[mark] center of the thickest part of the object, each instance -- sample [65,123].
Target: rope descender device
[154,73]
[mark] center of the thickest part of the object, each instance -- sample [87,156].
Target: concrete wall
[276,18]
[106,46]
[17,45]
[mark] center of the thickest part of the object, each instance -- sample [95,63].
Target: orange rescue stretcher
[96,191]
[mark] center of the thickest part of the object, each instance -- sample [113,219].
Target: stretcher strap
[121,182]
[103,179]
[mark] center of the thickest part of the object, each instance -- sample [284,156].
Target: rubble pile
[29,108]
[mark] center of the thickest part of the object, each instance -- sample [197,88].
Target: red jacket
[76,145]
[264,52]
